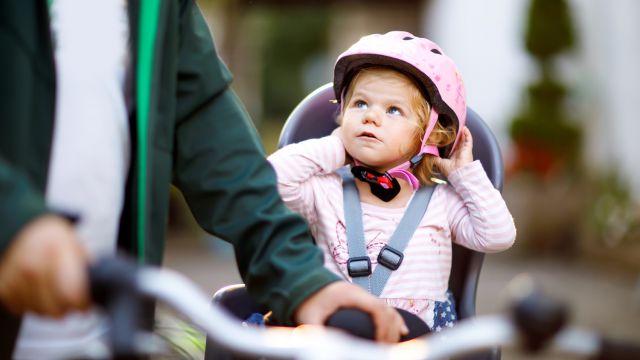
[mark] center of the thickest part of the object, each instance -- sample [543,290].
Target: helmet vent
[436,51]
[407,38]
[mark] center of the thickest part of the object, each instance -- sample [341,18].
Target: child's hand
[460,157]
[338,132]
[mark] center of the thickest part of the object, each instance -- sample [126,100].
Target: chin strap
[402,170]
[384,186]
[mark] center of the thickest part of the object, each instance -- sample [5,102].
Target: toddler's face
[379,124]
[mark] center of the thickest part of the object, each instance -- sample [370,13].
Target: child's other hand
[338,133]
[316,309]
[460,157]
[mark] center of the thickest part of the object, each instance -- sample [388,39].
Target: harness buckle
[359,266]
[390,257]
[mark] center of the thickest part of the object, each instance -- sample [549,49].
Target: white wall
[485,38]
[610,81]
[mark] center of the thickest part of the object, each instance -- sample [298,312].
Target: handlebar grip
[538,319]
[109,276]
[611,349]
[113,287]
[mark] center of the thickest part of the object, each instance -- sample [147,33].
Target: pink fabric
[420,56]
[467,211]
[403,172]
[424,149]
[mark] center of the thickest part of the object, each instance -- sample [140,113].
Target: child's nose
[371,116]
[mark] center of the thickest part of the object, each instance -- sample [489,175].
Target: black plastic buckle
[359,266]
[390,257]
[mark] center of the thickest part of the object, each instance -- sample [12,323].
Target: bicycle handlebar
[535,323]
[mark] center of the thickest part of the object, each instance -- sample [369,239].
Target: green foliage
[184,341]
[542,121]
[615,216]
[291,38]
[549,29]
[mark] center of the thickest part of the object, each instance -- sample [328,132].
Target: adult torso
[90,151]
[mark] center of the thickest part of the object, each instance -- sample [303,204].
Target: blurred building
[280,50]
[305,38]
[487,42]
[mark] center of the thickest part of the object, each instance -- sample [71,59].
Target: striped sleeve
[479,217]
[297,164]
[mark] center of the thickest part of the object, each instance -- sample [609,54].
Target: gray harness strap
[359,265]
[391,255]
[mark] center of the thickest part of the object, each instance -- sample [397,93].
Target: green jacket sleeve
[20,203]
[221,169]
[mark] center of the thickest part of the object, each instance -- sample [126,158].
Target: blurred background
[557,81]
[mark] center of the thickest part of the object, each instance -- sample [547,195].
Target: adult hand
[461,156]
[317,309]
[44,269]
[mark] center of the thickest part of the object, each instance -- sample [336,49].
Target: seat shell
[314,117]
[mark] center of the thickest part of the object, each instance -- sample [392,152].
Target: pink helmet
[420,58]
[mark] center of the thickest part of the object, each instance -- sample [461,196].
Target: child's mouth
[368,135]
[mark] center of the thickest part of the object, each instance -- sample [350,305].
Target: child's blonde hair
[441,136]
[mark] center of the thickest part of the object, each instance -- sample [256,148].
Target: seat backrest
[315,117]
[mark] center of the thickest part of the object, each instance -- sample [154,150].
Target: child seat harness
[390,256]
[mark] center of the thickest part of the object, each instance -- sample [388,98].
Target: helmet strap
[433,119]
[402,170]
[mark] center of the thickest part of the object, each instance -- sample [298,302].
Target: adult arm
[221,169]
[20,202]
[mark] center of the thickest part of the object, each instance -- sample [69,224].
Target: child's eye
[360,104]
[393,110]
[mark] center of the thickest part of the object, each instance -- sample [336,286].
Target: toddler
[387,220]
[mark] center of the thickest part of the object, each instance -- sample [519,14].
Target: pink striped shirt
[467,211]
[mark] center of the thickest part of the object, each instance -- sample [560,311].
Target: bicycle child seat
[314,117]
